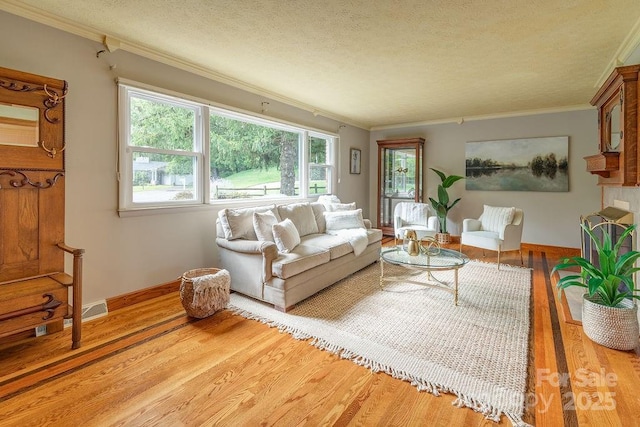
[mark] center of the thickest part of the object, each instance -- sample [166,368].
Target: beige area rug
[477,350]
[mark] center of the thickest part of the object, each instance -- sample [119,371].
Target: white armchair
[414,216]
[498,229]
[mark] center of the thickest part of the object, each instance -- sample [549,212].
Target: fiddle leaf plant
[442,205]
[610,282]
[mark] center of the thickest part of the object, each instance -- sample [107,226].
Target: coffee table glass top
[445,259]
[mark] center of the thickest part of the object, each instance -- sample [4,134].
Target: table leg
[455,291]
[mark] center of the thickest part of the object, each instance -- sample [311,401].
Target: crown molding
[462,120]
[25,11]
[627,47]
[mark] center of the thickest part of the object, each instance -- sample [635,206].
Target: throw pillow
[238,223]
[336,207]
[326,199]
[286,236]
[263,223]
[343,220]
[301,215]
[495,218]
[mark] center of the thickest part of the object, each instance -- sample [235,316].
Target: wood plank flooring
[149,364]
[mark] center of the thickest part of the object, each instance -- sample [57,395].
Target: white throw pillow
[336,207]
[326,199]
[495,218]
[238,223]
[286,236]
[301,215]
[343,220]
[263,223]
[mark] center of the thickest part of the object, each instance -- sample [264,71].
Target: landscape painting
[527,164]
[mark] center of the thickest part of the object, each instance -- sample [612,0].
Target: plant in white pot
[609,310]
[442,206]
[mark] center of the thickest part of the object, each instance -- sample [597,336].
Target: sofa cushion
[238,223]
[301,215]
[318,212]
[286,236]
[300,259]
[343,220]
[263,223]
[495,218]
[336,246]
[374,235]
[325,199]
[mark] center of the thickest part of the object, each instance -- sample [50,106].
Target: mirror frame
[48,96]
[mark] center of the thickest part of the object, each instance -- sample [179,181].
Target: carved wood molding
[22,179]
[48,307]
[54,98]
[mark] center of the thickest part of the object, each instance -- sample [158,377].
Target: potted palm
[442,205]
[609,310]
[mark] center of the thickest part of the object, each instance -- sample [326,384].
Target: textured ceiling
[378,63]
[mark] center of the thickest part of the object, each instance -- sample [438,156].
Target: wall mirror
[613,125]
[19,125]
[31,121]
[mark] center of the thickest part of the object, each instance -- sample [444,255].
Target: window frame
[201,152]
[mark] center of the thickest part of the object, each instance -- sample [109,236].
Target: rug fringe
[490,412]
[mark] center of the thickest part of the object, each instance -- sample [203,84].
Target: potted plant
[442,205]
[609,311]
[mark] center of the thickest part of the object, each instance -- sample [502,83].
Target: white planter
[611,327]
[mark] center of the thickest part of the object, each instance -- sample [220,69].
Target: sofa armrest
[367,223]
[247,246]
[433,223]
[252,255]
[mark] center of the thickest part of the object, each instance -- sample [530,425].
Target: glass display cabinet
[399,177]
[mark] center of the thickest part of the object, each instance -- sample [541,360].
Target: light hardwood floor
[149,364]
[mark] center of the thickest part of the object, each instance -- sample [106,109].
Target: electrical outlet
[68,323]
[41,330]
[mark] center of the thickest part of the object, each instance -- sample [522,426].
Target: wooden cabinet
[616,162]
[34,288]
[399,177]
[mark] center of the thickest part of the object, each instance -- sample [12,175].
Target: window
[320,161]
[166,141]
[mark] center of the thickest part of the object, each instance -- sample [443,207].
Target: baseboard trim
[135,297]
[122,301]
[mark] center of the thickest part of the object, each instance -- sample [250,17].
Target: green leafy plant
[610,282]
[442,206]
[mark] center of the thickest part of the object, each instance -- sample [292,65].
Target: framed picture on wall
[356,161]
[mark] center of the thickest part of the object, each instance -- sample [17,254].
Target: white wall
[128,254]
[550,218]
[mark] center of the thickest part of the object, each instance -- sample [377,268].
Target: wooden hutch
[616,162]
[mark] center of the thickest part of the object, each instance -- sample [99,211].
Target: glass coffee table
[428,261]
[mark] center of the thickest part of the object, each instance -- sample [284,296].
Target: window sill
[125,213]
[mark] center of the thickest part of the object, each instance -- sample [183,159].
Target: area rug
[476,350]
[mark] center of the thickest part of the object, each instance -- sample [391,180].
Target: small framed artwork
[356,161]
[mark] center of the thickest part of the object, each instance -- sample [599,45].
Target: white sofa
[283,269]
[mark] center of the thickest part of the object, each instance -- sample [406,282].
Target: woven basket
[443,237]
[611,327]
[204,291]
